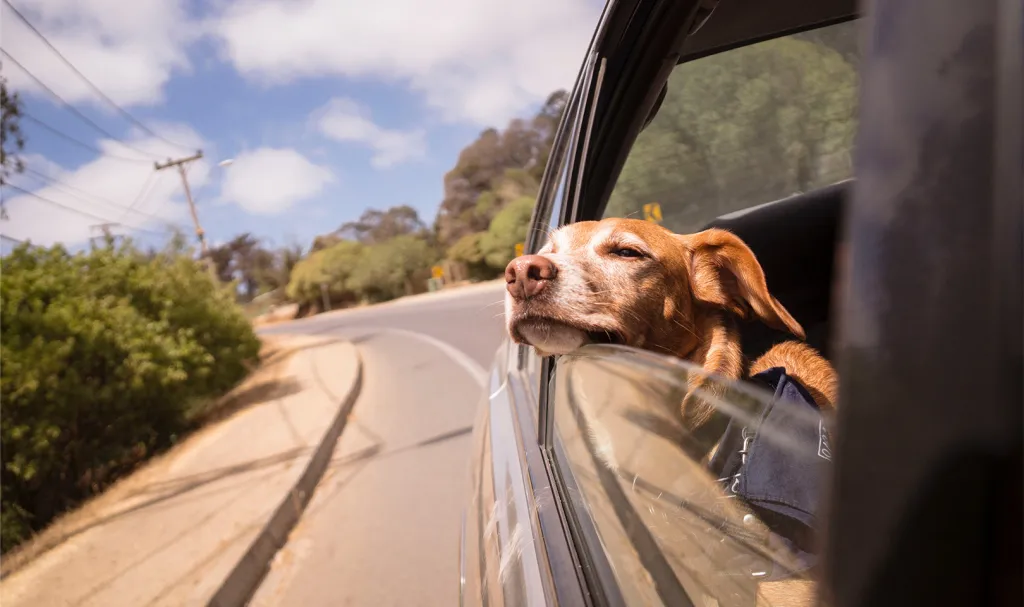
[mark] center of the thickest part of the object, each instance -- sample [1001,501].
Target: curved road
[383,526]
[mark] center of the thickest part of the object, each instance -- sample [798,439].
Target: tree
[222,258]
[12,140]
[739,128]
[257,268]
[375,226]
[467,251]
[273,268]
[496,161]
[388,269]
[510,226]
[546,122]
[331,266]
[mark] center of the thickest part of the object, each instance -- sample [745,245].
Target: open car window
[736,130]
[745,127]
[676,530]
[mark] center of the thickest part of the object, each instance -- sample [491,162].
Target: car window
[738,129]
[744,127]
[674,527]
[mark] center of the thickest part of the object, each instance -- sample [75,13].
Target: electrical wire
[143,193]
[95,88]
[72,108]
[120,208]
[80,211]
[79,142]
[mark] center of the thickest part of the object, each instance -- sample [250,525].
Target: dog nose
[526,276]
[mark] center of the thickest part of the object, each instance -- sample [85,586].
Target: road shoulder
[191,527]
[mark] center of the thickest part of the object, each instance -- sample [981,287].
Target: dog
[635,283]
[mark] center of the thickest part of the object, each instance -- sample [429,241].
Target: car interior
[795,240]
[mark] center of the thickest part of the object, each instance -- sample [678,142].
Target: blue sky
[327,107]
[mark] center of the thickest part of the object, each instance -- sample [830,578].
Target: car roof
[735,23]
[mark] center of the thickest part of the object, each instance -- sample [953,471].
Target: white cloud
[480,61]
[343,119]
[103,189]
[269,181]
[128,49]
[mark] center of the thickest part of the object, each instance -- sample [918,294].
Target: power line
[72,108]
[79,211]
[61,185]
[78,142]
[143,192]
[95,88]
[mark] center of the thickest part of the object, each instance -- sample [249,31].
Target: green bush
[466,250]
[509,227]
[333,266]
[387,270]
[101,355]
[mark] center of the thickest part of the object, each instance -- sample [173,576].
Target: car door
[734,131]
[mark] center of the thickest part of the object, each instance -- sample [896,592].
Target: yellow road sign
[519,249]
[437,271]
[652,212]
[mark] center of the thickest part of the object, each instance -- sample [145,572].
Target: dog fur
[636,283]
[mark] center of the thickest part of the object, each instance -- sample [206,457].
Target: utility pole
[180,164]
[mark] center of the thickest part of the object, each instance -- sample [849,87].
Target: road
[383,526]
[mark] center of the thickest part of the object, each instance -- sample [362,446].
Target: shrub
[331,265]
[508,228]
[387,269]
[101,354]
[466,250]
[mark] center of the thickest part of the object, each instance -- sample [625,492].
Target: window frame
[555,183]
[634,87]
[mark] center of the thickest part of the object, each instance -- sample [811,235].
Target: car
[901,256]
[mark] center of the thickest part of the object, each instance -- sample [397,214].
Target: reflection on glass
[734,529]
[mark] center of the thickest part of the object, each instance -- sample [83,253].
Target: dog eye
[627,252]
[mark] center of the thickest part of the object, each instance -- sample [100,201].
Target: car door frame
[854,577]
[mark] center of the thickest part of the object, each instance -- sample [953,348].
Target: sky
[324,107]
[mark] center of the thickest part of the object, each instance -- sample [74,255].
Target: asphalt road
[383,526]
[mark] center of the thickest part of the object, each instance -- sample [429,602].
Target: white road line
[478,373]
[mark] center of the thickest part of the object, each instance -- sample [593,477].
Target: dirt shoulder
[266,382]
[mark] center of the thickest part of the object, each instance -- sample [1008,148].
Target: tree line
[735,129]
[388,253]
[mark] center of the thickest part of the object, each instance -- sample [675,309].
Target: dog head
[632,282]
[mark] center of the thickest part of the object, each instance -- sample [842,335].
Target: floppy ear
[725,273]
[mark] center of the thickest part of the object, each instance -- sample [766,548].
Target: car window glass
[744,127]
[673,526]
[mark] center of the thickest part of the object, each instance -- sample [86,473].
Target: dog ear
[725,273]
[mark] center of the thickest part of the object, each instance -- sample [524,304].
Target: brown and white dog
[631,282]
[635,283]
